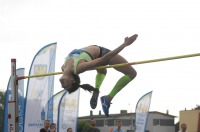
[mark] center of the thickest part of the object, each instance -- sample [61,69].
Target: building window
[163,122]
[156,122]
[105,122]
[133,121]
[167,122]
[126,122]
[99,123]
[110,122]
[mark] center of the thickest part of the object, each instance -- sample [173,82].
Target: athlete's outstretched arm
[127,41]
[104,60]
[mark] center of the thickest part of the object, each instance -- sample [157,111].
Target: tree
[83,126]
[197,107]
[2,99]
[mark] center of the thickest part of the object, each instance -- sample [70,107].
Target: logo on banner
[40,69]
[143,105]
[64,126]
[43,114]
[69,103]
[38,93]
[37,123]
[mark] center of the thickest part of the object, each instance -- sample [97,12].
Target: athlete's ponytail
[87,87]
[76,85]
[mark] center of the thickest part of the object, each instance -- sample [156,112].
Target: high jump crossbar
[13,116]
[121,65]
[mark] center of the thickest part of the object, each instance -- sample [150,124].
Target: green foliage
[83,126]
[2,98]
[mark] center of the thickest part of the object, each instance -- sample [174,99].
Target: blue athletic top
[118,130]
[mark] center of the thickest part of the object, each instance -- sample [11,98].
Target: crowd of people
[51,127]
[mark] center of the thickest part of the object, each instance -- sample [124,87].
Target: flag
[142,110]
[56,100]
[8,96]
[68,112]
[40,89]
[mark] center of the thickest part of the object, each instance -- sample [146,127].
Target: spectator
[183,128]
[46,126]
[53,127]
[119,125]
[69,130]
[93,126]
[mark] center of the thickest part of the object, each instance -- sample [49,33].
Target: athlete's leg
[101,73]
[128,71]
[129,74]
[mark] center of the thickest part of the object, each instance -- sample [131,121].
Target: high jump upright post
[13,122]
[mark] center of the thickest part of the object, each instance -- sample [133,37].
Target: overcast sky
[165,28]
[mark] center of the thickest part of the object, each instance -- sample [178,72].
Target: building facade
[156,122]
[191,118]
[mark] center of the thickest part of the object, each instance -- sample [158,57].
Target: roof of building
[122,113]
